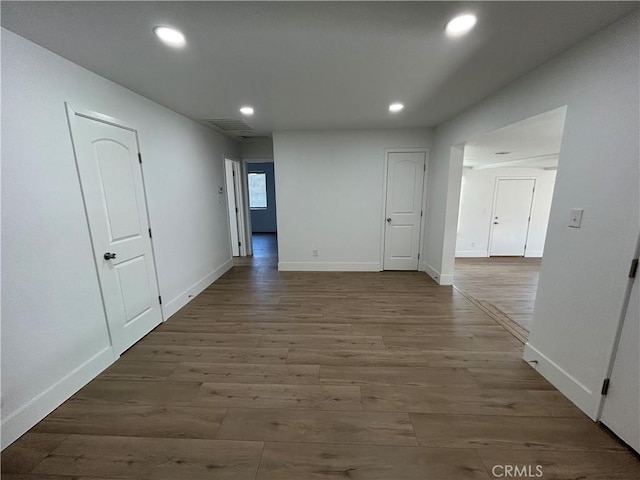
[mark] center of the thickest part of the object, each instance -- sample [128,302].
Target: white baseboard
[472,254]
[441,279]
[185,297]
[446,279]
[20,421]
[432,272]
[585,399]
[329,266]
[533,253]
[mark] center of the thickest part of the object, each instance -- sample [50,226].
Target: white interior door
[233,207]
[621,411]
[110,174]
[403,212]
[511,215]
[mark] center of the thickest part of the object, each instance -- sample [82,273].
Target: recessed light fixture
[246,110]
[170,36]
[460,25]
[395,107]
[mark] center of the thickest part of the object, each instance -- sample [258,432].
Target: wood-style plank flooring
[290,376]
[505,287]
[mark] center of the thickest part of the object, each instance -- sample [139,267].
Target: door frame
[72,113]
[240,201]
[495,204]
[383,216]
[245,184]
[621,320]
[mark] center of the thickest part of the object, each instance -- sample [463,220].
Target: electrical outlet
[575,217]
[315,252]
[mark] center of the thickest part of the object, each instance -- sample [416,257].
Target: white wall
[476,204]
[257,149]
[584,271]
[54,335]
[329,190]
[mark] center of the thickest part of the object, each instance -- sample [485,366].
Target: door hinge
[233,173]
[605,387]
[239,244]
[421,212]
[424,167]
[150,236]
[418,256]
[160,299]
[236,209]
[139,157]
[634,268]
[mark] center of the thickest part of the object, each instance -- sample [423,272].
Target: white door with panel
[403,210]
[108,162]
[511,216]
[232,207]
[621,410]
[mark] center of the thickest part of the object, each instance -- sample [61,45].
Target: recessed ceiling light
[246,110]
[395,107]
[460,25]
[170,36]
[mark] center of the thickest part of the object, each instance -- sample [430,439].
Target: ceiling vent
[228,125]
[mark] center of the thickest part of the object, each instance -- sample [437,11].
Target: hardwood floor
[503,287]
[273,375]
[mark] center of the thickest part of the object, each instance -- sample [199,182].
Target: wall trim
[533,253]
[20,421]
[329,266]
[585,399]
[176,303]
[472,253]
[446,279]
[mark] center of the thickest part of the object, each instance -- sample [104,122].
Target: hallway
[282,375]
[504,287]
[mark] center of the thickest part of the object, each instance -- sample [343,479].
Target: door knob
[495,223]
[389,220]
[109,256]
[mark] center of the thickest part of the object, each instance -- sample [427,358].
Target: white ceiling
[312,65]
[533,142]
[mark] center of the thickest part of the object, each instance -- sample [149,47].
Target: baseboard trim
[446,279]
[329,266]
[472,254]
[432,272]
[533,253]
[441,279]
[585,399]
[189,294]
[20,421]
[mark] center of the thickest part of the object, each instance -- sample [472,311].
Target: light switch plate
[575,218]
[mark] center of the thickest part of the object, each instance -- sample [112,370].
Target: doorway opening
[507,187]
[261,194]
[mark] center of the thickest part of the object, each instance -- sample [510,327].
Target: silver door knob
[388,220]
[109,256]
